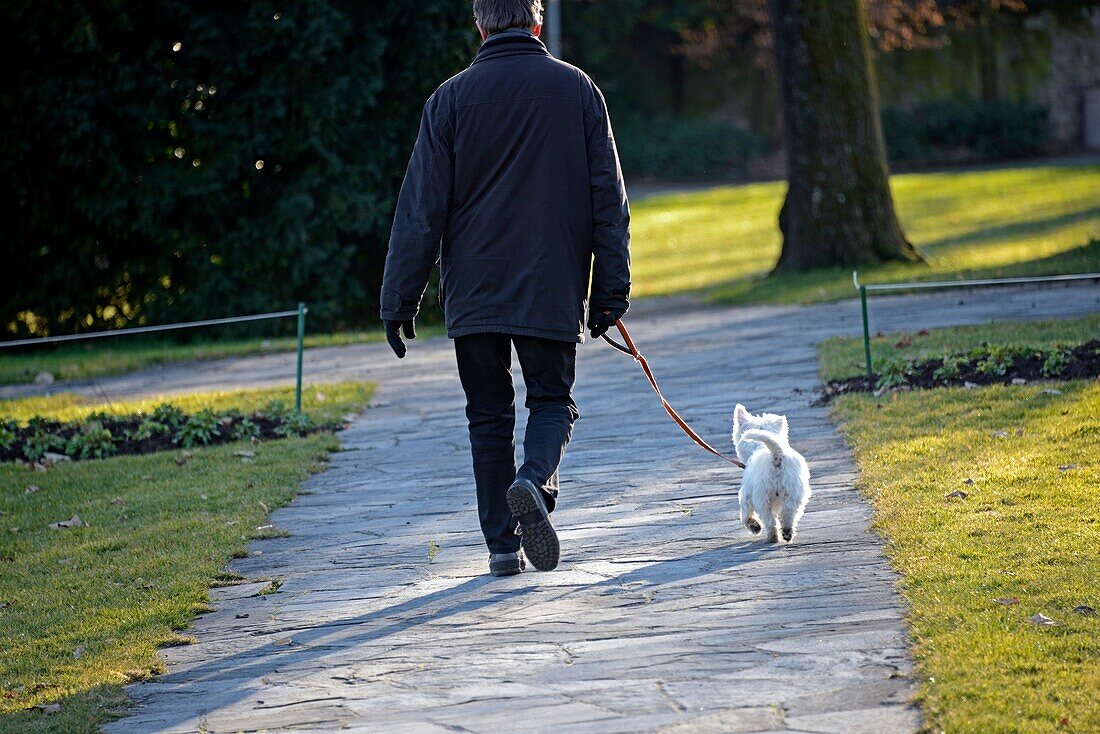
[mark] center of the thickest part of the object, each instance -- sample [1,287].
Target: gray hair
[495,16]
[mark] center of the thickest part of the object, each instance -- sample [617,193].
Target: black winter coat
[514,186]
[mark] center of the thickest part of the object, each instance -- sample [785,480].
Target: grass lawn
[990,223]
[840,357]
[1027,534]
[83,610]
[119,355]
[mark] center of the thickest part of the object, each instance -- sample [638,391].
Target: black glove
[602,319]
[393,336]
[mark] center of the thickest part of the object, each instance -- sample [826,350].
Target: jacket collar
[512,42]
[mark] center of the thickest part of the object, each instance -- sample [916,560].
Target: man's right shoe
[537,536]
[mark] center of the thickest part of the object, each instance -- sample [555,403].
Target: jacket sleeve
[610,209]
[421,214]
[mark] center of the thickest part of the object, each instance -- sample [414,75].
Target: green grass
[1028,529]
[159,535]
[119,355]
[841,357]
[1007,221]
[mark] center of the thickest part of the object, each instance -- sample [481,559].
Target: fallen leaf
[72,522]
[968,481]
[1019,381]
[905,341]
[264,506]
[1085,609]
[38,466]
[49,708]
[31,489]
[1067,467]
[264,527]
[1064,721]
[183,458]
[118,501]
[319,397]
[245,454]
[922,332]
[283,641]
[957,493]
[350,418]
[51,458]
[1042,620]
[147,478]
[970,385]
[5,604]
[1050,391]
[255,440]
[78,652]
[1000,434]
[1007,600]
[433,550]
[241,616]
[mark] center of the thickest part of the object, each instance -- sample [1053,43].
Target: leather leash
[684,426]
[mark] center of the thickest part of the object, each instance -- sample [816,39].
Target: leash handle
[632,350]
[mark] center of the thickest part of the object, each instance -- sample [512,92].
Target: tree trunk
[839,210]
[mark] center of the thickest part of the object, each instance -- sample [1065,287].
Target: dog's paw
[753,526]
[788,533]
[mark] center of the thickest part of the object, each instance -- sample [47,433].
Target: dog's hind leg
[789,515]
[748,513]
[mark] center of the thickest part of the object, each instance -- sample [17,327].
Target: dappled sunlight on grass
[1027,530]
[1009,221]
[83,610]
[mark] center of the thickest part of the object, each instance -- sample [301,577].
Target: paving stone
[664,614]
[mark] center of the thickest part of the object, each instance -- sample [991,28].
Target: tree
[839,210]
[171,160]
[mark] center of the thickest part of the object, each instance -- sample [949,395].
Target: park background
[181,161]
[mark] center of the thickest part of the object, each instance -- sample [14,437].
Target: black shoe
[506,564]
[536,534]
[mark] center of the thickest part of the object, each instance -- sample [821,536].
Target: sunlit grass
[84,610]
[721,242]
[118,355]
[322,402]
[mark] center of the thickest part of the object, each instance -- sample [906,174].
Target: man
[514,186]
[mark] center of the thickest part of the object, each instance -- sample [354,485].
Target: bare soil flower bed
[165,428]
[985,365]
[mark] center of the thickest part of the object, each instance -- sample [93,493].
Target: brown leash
[633,352]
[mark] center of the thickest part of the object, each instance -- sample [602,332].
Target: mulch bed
[123,444]
[1082,363]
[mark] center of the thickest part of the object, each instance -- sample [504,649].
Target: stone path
[663,616]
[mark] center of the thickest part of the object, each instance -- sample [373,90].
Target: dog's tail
[769,439]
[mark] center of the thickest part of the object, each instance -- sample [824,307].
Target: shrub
[8,433]
[950,368]
[246,428]
[893,373]
[1055,362]
[199,430]
[667,148]
[960,130]
[39,442]
[168,414]
[295,423]
[147,429]
[92,441]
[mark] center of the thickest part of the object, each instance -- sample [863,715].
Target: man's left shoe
[537,536]
[506,564]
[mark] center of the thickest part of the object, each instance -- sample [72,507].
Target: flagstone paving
[664,614]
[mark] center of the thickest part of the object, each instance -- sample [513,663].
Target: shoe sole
[539,540]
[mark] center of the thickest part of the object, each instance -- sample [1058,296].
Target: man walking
[514,186]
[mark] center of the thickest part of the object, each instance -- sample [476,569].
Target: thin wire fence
[863,289]
[300,312]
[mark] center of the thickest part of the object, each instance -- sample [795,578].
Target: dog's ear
[740,415]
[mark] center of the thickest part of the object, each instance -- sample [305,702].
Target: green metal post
[866,329]
[301,345]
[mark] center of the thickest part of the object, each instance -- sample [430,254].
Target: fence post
[866,330]
[301,344]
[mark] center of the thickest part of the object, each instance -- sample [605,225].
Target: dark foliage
[963,131]
[685,149]
[173,160]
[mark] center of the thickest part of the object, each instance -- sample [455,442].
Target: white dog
[775,486]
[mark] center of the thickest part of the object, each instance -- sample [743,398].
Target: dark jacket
[514,186]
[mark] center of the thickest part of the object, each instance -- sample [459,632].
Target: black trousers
[485,369]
